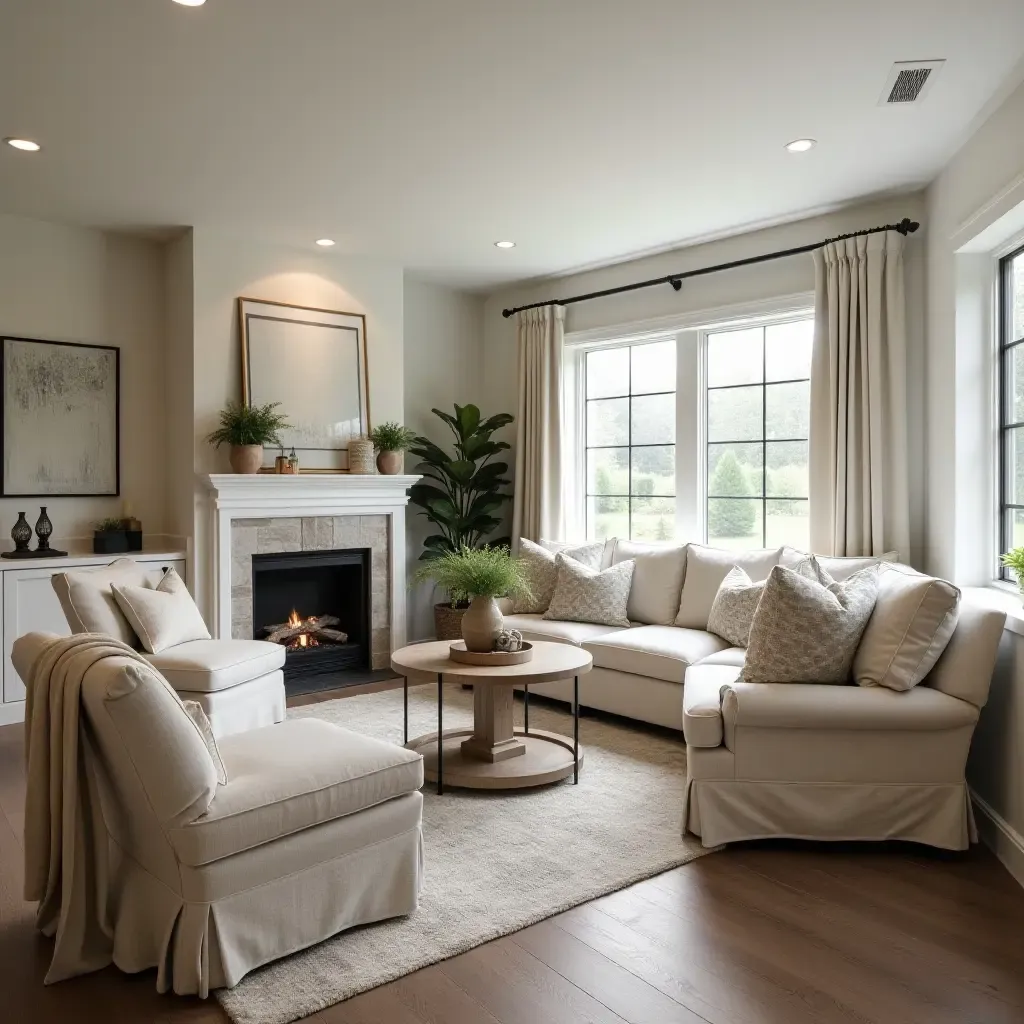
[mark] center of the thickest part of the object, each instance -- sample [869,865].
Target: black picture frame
[5,489]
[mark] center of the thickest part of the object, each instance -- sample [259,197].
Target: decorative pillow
[164,617]
[586,595]
[657,580]
[736,602]
[202,723]
[912,623]
[839,568]
[706,568]
[543,573]
[554,546]
[88,603]
[805,632]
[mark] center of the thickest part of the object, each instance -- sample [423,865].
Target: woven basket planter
[448,622]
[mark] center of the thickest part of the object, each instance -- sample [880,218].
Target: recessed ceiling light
[325,242]
[801,145]
[24,144]
[190,3]
[505,245]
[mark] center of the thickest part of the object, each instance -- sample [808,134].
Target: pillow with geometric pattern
[586,595]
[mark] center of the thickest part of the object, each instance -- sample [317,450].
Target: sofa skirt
[237,914]
[730,810]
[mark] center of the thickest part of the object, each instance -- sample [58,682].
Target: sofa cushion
[162,617]
[291,776]
[840,568]
[730,656]
[657,580]
[542,570]
[88,602]
[589,595]
[659,652]
[913,620]
[706,568]
[702,703]
[208,665]
[807,632]
[536,627]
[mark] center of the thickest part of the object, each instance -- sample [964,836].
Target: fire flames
[295,621]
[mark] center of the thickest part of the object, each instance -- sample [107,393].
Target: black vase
[21,533]
[43,530]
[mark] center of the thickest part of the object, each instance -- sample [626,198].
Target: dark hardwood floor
[765,933]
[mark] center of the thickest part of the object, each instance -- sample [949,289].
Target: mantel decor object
[44,529]
[21,534]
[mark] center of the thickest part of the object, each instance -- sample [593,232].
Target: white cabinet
[30,605]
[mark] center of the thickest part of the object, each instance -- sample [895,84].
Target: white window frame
[690,331]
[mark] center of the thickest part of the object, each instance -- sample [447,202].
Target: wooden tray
[458,652]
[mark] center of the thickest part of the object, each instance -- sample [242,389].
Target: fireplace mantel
[261,496]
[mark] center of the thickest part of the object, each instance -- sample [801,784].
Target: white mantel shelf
[232,496]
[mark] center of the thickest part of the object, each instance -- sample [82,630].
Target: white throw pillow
[543,573]
[587,595]
[202,723]
[88,602]
[840,568]
[657,580]
[706,568]
[913,621]
[807,632]
[164,617]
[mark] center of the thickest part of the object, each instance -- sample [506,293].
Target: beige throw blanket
[65,836]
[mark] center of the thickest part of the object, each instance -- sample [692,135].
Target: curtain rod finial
[506,313]
[907,226]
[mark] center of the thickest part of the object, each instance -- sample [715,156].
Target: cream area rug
[495,861]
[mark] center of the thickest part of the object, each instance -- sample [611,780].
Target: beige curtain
[858,438]
[537,509]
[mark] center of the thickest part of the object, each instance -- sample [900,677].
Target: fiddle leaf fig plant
[463,489]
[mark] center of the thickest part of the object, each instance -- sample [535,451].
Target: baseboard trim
[1000,837]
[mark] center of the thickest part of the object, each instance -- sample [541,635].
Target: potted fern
[248,429]
[390,440]
[1014,561]
[480,576]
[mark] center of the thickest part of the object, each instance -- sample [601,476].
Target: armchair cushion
[209,665]
[287,777]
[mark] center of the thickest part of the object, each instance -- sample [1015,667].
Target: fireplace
[317,605]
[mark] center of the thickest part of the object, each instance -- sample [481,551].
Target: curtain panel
[859,496]
[537,506]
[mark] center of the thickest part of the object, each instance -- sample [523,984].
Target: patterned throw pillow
[805,631]
[586,595]
[543,572]
[736,602]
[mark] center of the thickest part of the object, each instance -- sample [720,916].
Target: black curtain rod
[904,227]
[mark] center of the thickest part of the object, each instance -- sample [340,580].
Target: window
[1011,404]
[630,435]
[758,411]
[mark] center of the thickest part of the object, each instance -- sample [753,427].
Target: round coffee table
[494,754]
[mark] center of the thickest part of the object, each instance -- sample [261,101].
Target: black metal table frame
[526,724]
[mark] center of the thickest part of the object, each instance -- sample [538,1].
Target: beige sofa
[782,759]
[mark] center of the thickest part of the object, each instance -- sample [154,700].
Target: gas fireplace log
[318,627]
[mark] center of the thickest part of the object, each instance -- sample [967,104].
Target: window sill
[1003,597]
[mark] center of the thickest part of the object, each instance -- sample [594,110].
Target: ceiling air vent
[909,81]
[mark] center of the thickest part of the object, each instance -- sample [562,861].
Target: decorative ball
[509,641]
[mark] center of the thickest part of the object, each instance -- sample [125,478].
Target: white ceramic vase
[481,624]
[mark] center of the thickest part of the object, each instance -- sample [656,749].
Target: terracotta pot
[481,624]
[246,458]
[390,463]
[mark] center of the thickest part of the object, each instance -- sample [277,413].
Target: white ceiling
[421,131]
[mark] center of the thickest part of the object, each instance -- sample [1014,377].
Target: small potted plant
[479,575]
[390,441]
[109,537]
[1014,561]
[247,429]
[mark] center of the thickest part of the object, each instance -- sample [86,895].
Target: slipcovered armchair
[837,762]
[317,829]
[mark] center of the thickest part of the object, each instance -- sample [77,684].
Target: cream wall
[443,341]
[62,283]
[717,292]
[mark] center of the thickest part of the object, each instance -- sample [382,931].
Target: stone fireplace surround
[267,513]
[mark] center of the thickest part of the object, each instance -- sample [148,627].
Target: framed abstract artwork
[61,419]
[312,361]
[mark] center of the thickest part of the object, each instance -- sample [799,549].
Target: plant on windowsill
[1014,561]
[478,575]
[248,429]
[109,537]
[460,494]
[389,441]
